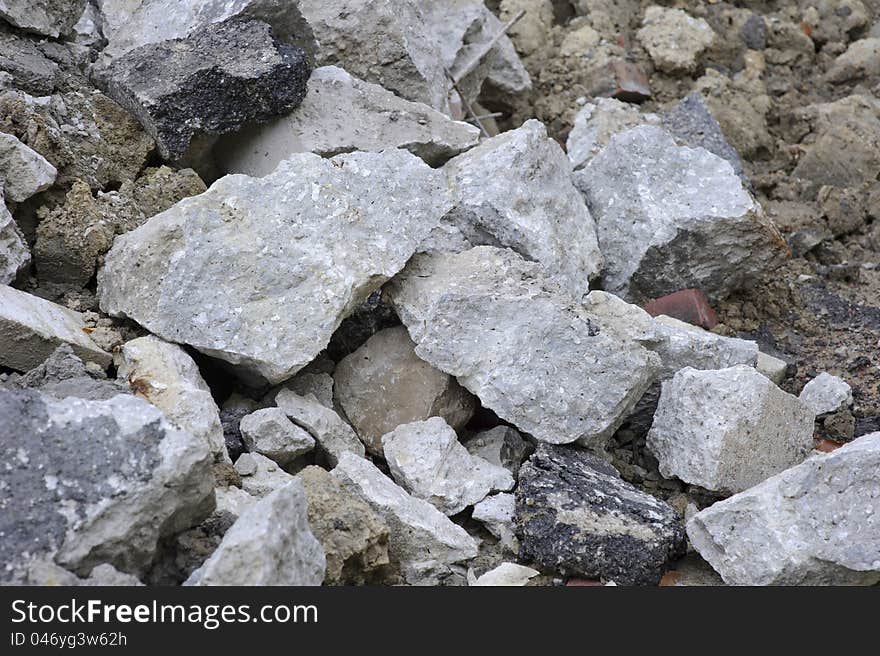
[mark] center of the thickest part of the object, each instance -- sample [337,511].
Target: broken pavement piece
[23,171]
[333,435]
[597,122]
[270,432]
[826,394]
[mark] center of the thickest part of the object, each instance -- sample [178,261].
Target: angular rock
[515,191]
[861,60]
[46,573]
[384,384]
[166,376]
[23,171]
[502,446]
[423,541]
[772,367]
[316,237]
[319,385]
[215,80]
[596,123]
[575,516]
[492,320]
[427,460]
[270,544]
[333,435]
[93,482]
[270,433]
[354,538]
[32,328]
[671,218]
[728,429]
[233,501]
[31,70]
[496,514]
[15,255]
[507,575]
[260,476]
[826,393]
[814,524]
[48,17]
[341,114]
[674,39]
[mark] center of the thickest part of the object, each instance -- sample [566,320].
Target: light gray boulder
[23,171]
[672,217]
[826,393]
[260,476]
[93,482]
[15,255]
[428,461]
[340,114]
[502,446]
[47,17]
[515,191]
[423,541]
[813,524]
[269,544]
[597,122]
[316,238]
[333,435]
[728,429]
[31,328]
[530,353]
[384,384]
[271,433]
[166,376]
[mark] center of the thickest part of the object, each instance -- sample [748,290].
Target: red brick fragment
[825,445]
[689,305]
[632,84]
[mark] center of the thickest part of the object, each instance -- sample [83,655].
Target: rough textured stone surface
[269,544]
[496,514]
[23,171]
[507,575]
[384,384]
[32,328]
[341,114]
[26,62]
[316,237]
[73,238]
[671,217]
[354,538]
[826,393]
[333,435]
[549,371]
[213,81]
[319,385]
[260,476]
[423,541]
[728,429]
[575,516]
[15,255]
[814,524]
[92,482]
[502,446]
[772,367]
[49,17]
[268,431]
[674,39]
[596,123]
[860,61]
[428,461]
[43,572]
[166,376]
[515,191]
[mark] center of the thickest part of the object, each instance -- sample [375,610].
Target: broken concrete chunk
[215,80]
[93,482]
[515,190]
[353,536]
[260,476]
[166,376]
[671,217]
[15,255]
[502,446]
[576,516]
[729,429]
[800,527]
[826,393]
[333,435]
[860,61]
[269,432]
[427,460]
[674,39]
[315,237]
[384,384]
[596,123]
[270,544]
[507,575]
[772,367]
[23,171]
[496,514]
[492,320]
[32,328]
[341,114]
[423,541]
[48,17]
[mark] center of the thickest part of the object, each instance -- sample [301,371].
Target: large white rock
[423,541]
[284,257]
[23,171]
[341,114]
[515,190]
[671,217]
[674,39]
[269,544]
[530,353]
[14,252]
[728,429]
[166,376]
[428,461]
[814,524]
[384,384]
[32,328]
[270,432]
[826,393]
[333,435]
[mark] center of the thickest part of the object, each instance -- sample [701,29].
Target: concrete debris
[333,436]
[47,17]
[15,256]
[506,574]
[269,432]
[23,171]
[260,476]
[826,394]
[502,446]
[674,39]
[496,514]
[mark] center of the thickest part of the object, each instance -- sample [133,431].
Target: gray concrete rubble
[23,171]
[45,17]
[271,433]
[15,256]
[502,446]
[332,434]
[826,393]
[260,476]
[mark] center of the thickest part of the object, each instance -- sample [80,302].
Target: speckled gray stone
[48,17]
[23,171]
[826,393]
[333,435]
[270,432]
[15,255]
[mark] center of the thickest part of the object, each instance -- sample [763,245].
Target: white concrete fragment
[14,252]
[23,171]
[271,433]
[496,514]
[826,393]
[260,476]
[597,122]
[506,574]
[333,435]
